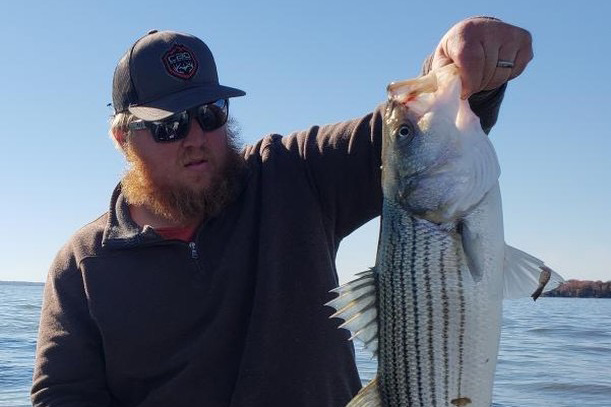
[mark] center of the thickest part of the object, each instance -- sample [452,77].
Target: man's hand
[476,45]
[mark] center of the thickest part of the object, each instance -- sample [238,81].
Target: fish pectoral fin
[368,396]
[356,305]
[473,246]
[525,275]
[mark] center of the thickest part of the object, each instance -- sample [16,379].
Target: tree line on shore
[582,289]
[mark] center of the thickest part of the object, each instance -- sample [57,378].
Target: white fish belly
[439,329]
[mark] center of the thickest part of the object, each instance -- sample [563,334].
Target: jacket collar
[121,231]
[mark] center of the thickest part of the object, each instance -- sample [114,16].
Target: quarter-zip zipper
[195,259]
[194,254]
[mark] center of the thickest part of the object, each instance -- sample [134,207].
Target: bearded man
[204,283]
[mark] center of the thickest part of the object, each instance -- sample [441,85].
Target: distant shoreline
[20,283]
[568,289]
[581,289]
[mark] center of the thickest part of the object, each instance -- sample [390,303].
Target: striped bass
[430,309]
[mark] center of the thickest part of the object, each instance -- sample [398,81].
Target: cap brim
[161,108]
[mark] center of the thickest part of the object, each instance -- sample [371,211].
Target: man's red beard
[181,204]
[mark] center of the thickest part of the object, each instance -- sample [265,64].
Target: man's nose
[196,135]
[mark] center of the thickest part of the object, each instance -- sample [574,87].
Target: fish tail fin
[368,396]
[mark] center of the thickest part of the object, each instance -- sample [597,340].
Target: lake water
[555,352]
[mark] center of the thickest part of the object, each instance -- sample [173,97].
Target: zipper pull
[194,254]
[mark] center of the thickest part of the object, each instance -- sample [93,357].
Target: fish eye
[404,131]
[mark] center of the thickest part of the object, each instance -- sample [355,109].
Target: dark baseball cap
[166,72]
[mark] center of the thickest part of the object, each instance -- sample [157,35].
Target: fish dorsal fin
[356,305]
[521,274]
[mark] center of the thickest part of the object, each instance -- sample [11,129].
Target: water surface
[555,352]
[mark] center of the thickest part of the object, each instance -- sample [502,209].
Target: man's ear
[120,137]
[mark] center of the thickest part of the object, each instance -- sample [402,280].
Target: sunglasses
[210,116]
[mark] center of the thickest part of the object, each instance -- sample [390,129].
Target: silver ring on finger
[504,64]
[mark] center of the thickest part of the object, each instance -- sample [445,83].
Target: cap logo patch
[180,62]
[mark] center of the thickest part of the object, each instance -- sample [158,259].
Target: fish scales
[423,309]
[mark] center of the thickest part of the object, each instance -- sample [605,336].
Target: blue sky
[303,63]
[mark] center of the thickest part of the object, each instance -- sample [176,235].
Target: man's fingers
[469,60]
[489,67]
[524,54]
[499,74]
[522,59]
[476,45]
